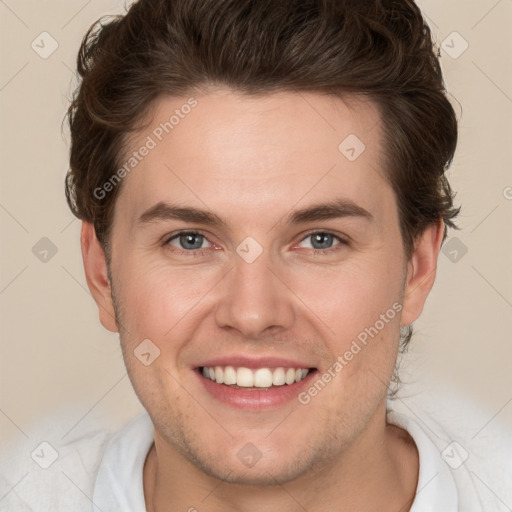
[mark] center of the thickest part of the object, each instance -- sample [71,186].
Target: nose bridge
[254,299]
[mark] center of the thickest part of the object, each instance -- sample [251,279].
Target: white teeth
[229,375]
[219,375]
[279,377]
[262,378]
[259,378]
[290,376]
[244,378]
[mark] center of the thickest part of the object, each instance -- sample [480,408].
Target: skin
[253,160]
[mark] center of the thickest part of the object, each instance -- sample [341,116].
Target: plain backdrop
[55,355]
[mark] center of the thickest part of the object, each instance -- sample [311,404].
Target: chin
[261,474]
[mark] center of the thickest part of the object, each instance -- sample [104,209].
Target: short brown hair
[381,49]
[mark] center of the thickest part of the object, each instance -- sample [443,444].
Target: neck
[377,473]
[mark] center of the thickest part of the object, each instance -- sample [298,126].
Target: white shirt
[103,473]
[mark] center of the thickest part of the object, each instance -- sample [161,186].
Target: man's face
[212,299]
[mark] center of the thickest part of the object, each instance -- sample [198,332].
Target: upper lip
[255,362]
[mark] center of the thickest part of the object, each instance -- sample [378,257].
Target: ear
[95,266]
[421,272]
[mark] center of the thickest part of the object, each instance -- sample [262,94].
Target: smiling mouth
[254,379]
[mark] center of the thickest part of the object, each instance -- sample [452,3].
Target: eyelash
[199,252]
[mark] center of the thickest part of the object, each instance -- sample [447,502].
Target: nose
[255,300]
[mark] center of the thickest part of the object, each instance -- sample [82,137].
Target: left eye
[322,240]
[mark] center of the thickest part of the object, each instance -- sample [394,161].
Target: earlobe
[421,272]
[95,267]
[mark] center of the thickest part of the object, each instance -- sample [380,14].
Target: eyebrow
[336,209]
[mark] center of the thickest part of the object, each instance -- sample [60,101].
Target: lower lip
[254,399]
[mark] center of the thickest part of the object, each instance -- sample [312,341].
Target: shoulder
[478,469]
[46,470]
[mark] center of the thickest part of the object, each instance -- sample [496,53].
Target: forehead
[222,149]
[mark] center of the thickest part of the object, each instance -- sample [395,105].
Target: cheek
[360,304]
[354,296]
[156,297]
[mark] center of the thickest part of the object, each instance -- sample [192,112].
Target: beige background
[55,356]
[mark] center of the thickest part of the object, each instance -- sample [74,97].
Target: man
[263,199]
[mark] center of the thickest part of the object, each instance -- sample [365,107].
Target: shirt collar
[119,481]
[436,489]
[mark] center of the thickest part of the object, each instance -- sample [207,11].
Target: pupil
[322,236]
[185,239]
